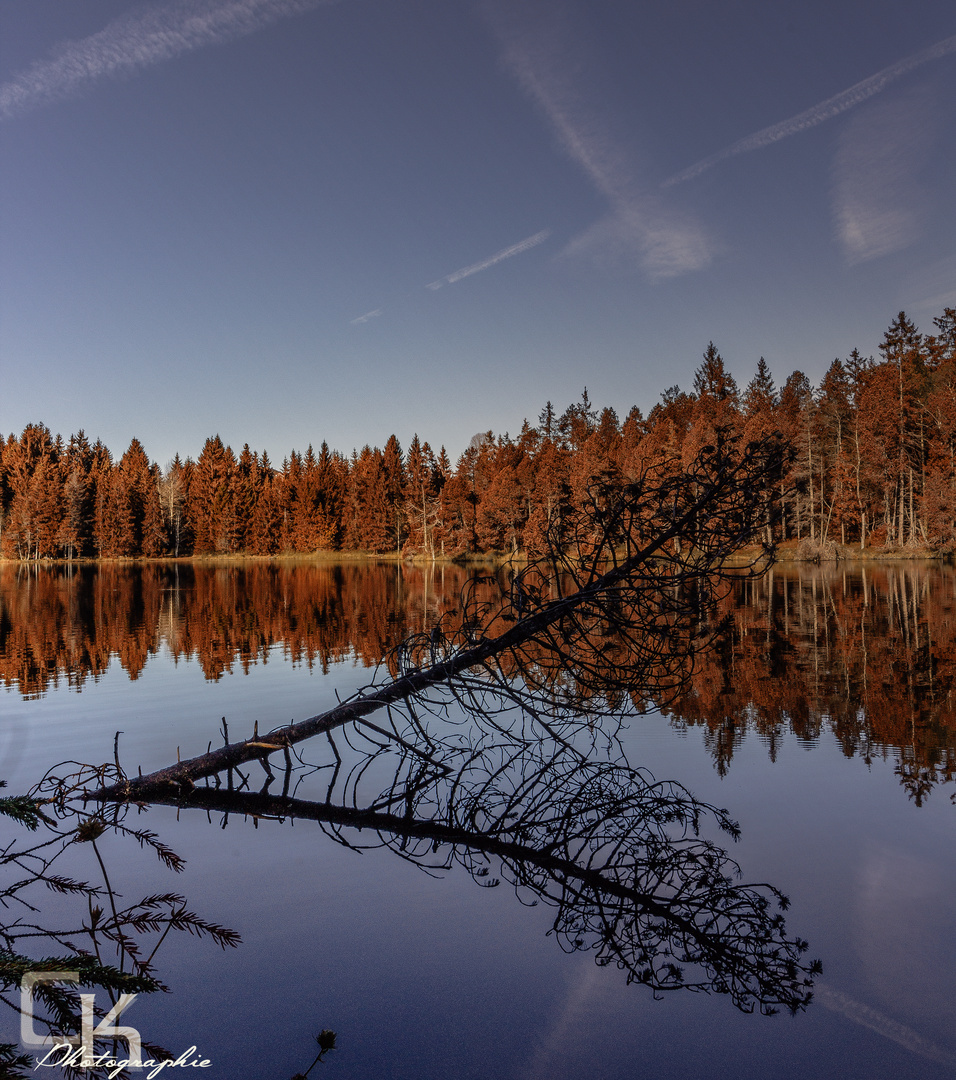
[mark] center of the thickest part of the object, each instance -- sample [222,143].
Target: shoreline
[789,553]
[318,557]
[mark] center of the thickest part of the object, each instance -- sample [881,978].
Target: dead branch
[623,589]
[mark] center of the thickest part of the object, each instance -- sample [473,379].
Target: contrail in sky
[817,114]
[545,59]
[367,317]
[505,253]
[467,271]
[876,1021]
[140,39]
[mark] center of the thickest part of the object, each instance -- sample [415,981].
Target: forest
[873,466]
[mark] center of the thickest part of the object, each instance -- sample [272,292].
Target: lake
[821,716]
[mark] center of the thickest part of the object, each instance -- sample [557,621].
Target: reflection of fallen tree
[618,855]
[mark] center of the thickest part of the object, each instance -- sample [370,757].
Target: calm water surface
[823,720]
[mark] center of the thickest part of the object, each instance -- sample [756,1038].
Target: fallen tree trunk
[709,510]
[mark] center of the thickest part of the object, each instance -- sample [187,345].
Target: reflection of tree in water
[68,622]
[620,856]
[869,656]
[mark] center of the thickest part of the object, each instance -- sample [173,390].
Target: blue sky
[285,221]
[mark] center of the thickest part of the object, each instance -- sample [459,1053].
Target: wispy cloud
[818,114]
[499,256]
[550,1053]
[878,205]
[367,317]
[876,1021]
[544,63]
[139,39]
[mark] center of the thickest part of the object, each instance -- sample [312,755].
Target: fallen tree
[615,610]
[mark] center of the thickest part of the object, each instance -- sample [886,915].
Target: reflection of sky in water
[438,979]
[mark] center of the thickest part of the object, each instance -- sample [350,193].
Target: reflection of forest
[67,623]
[865,653]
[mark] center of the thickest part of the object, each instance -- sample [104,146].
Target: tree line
[874,465]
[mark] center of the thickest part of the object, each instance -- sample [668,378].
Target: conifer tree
[796,426]
[267,518]
[211,497]
[248,484]
[716,406]
[332,480]
[760,403]
[833,420]
[76,529]
[137,497]
[305,526]
[368,513]
[549,499]
[423,482]
[903,347]
[395,490]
